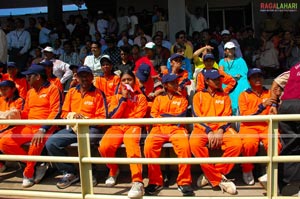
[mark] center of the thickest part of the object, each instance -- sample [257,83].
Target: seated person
[51,77]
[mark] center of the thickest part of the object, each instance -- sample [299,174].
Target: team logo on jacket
[219,101]
[42,95]
[88,103]
[176,103]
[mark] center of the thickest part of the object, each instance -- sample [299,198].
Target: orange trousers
[12,140]
[179,138]
[251,136]
[112,140]
[232,147]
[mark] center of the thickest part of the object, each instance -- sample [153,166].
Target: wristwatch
[43,130]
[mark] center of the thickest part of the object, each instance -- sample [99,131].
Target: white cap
[150,45]
[48,49]
[105,57]
[225,32]
[229,45]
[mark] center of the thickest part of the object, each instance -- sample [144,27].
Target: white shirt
[196,24]
[19,39]
[61,70]
[133,21]
[44,36]
[102,26]
[3,46]
[94,63]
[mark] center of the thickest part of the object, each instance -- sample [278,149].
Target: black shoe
[186,190]
[153,189]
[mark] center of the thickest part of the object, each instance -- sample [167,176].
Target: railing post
[85,168]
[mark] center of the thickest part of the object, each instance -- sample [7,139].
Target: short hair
[125,49]
[177,47]
[181,32]
[96,43]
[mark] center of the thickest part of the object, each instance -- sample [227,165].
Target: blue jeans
[56,144]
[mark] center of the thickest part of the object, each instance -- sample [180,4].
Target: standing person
[84,101]
[172,104]
[212,101]
[127,104]
[43,102]
[19,43]
[3,46]
[254,101]
[197,22]
[134,21]
[237,68]
[123,21]
[93,61]
[101,24]
[289,83]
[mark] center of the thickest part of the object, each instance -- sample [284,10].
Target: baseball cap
[225,32]
[143,72]
[105,57]
[229,45]
[211,74]
[35,69]
[208,56]
[150,45]
[8,83]
[48,49]
[175,55]
[168,78]
[253,71]
[46,63]
[11,65]
[84,69]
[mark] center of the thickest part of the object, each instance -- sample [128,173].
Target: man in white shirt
[102,24]
[93,61]
[19,43]
[60,69]
[197,22]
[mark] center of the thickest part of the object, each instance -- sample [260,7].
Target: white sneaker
[27,182]
[112,180]
[137,190]
[263,181]
[2,167]
[248,178]
[202,181]
[227,186]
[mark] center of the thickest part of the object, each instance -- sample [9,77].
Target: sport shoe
[137,190]
[202,181]
[248,178]
[227,186]
[263,181]
[40,172]
[27,182]
[186,190]
[2,167]
[153,189]
[112,180]
[67,180]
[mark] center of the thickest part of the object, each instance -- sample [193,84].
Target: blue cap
[211,74]
[143,72]
[35,69]
[175,55]
[84,69]
[168,78]
[208,56]
[8,83]
[253,71]
[46,63]
[11,65]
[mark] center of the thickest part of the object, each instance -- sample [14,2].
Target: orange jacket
[22,86]
[205,105]
[251,104]
[92,104]
[226,79]
[120,107]
[43,104]
[3,76]
[108,85]
[54,80]
[163,106]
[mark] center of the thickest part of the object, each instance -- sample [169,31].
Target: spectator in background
[93,61]
[140,35]
[250,47]
[226,37]
[80,31]
[285,48]
[162,52]
[295,54]
[270,24]
[57,48]
[123,21]
[181,39]
[69,56]
[85,50]
[33,30]
[44,36]
[3,46]
[50,76]
[38,56]
[18,44]
[165,43]
[207,40]
[125,63]
[134,21]
[162,24]
[102,24]
[197,22]
[112,27]
[135,53]
[125,41]
[112,50]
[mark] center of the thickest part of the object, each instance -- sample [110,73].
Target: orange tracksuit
[226,79]
[253,132]
[42,104]
[163,106]
[217,105]
[7,105]
[3,76]
[54,80]
[92,104]
[22,86]
[121,107]
[108,85]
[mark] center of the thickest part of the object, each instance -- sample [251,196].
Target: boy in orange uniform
[212,101]
[172,104]
[107,82]
[226,79]
[43,101]
[84,101]
[254,101]
[128,104]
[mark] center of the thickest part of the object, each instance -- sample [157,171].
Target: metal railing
[85,160]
